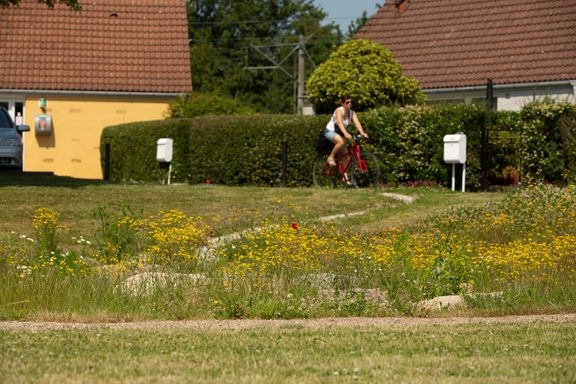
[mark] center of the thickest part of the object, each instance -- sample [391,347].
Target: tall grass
[514,256]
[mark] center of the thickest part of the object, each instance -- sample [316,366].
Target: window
[15,107]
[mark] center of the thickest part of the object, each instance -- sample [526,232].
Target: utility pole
[484,139]
[301,75]
[277,64]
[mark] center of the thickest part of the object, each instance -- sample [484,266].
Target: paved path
[214,242]
[322,323]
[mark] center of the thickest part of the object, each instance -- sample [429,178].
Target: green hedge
[237,150]
[410,143]
[244,150]
[548,141]
[247,150]
[133,150]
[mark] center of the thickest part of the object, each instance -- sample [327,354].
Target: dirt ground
[306,323]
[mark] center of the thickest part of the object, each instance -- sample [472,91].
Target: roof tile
[446,43]
[112,45]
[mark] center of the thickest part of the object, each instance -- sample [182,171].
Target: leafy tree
[229,36]
[355,25]
[73,4]
[199,104]
[365,71]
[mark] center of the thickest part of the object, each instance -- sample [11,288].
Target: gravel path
[305,323]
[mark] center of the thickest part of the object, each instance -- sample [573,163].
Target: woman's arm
[358,125]
[341,126]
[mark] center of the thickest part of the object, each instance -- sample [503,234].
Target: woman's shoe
[331,162]
[346,180]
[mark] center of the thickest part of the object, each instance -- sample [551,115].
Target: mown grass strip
[478,353]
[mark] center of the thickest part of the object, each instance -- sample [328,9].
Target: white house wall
[509,97]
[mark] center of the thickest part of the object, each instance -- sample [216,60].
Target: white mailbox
[164,150]
[455,148]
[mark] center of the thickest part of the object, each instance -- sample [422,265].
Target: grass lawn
[227,209]
[537,352]
[517,352]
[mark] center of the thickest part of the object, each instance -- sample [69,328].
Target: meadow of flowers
[515,256]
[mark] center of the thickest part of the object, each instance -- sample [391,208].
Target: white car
[10,141]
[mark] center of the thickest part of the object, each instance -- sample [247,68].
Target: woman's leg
[343,158]
[338,145]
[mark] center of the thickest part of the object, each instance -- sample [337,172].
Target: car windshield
[5,121]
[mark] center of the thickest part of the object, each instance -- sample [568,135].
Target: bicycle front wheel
[323,175]
[366,175]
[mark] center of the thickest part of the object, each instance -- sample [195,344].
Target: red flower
[294,226]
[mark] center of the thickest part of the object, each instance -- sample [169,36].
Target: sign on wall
[43,125]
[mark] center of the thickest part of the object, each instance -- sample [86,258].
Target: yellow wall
[73,147]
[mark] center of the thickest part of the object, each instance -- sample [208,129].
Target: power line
[212,23]
[252,40]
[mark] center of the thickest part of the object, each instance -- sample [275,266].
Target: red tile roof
[459,43]
[111,46]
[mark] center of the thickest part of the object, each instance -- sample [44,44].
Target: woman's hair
[344,98]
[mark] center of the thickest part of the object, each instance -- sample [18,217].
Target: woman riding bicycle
[336,129]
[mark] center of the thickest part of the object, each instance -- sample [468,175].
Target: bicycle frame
[356,168]
[353,153]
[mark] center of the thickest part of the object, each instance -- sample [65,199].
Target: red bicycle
[360,170]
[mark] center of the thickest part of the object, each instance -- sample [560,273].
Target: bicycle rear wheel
[368,176]
[323,175]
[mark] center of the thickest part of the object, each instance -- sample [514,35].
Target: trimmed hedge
[133,150]
[247,150]
[239,150]
[410,143]
[548,141]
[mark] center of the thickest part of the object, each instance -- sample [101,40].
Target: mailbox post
[164,153]
[455,153]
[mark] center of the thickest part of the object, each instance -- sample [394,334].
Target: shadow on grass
[15,177]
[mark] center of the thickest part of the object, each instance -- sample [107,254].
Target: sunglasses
[348,102]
